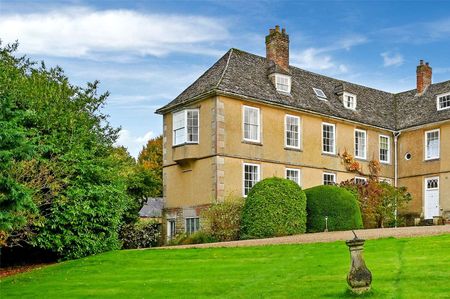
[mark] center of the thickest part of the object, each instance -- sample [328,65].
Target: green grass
[401,268]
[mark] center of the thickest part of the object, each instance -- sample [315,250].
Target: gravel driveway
[399,232]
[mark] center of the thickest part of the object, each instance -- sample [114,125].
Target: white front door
[431,197]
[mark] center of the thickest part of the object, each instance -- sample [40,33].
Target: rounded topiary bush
[274,207]
[337,203]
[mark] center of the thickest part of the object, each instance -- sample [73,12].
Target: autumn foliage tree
[151,159]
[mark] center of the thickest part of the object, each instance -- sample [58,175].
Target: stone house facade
[250,117]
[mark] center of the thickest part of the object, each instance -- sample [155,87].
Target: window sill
[294,149]
[329,154]
[252,142]
[361,159]
[385,163]
[182,144]
[431,159]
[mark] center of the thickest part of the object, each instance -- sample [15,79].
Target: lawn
[401,268]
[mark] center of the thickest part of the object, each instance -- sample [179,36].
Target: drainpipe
[396,136]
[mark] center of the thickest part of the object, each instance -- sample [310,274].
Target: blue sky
[146,52]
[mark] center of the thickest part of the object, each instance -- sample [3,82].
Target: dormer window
[283,83]
[349,100]
[443,101]
[320,94]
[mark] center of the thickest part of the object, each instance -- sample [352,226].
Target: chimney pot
[421,62]
[277,47]
[283,30]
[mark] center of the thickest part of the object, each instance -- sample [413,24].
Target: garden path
[399,232]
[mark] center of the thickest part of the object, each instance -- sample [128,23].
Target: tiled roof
[244,74]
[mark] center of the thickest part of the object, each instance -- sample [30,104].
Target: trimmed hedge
[142,234]
[337,203]
[274,207]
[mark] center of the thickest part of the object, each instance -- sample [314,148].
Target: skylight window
[319,93]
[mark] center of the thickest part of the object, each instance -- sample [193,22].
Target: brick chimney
[424,73]
[277,47]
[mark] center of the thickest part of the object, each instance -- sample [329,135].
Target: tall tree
[15,146]
[73,175]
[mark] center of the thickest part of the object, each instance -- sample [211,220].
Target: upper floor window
[443,101]
[329,178]
[385,149]
[186,126]
[328,138]
[292,131]
[293,175]
[251,124]
[349,100]
[251,176]
[283,83]
[360,144]
[432,144]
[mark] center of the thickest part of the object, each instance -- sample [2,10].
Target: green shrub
[337,203]
[274,207]
[199,237]
[222,220]
[142,234]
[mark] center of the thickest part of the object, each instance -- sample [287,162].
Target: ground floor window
[251,176]
[171,230]
[329,178]
[360,181]
[293,175]
[192,225]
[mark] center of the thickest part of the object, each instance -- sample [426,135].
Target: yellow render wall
[190,184]
[272,147]
[233,179]
[412,173]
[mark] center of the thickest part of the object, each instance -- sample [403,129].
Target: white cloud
[83,32]
[418,32]
[312,59]
[390,59]
[133,143]
[321,59]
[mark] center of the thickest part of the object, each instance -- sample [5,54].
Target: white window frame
[258,132]
[344,100]
[328,173]
[365,144]
[426,147]
[388,161]
[437,101]
[298,133]
[185,128]
[196,227]
[360,178]
[169,228]
[279,76]
[299,173]
[258,173]
[334,138]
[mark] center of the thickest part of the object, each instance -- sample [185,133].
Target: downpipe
[396,136]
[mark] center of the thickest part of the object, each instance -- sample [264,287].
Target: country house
[250,117]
